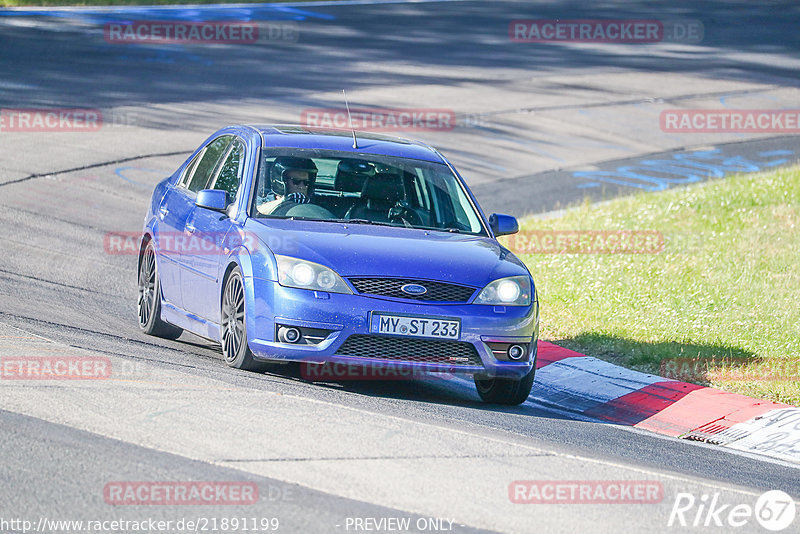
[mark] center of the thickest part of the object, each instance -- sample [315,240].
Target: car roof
[294,136]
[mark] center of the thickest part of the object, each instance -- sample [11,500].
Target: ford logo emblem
[414,289]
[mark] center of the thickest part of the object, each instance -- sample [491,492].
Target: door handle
[190,228]
[163,211]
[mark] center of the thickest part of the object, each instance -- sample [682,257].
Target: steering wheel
[282,209]
[312,211]
[402,211]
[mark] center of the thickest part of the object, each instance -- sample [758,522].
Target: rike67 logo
[774,511]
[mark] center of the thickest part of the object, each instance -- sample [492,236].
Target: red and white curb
[574,382]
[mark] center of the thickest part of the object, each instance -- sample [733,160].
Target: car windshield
[362,189]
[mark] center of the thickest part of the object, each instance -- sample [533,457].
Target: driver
[292,180]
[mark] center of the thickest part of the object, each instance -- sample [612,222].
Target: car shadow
[694,363]
[431,388]
[697,363]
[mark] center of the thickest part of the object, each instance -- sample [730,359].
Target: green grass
[40,3]
[725,289]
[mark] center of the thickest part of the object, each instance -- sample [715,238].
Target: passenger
[292,180]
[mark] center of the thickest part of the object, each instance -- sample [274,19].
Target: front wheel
[149,302]
[233,328]
[505,390]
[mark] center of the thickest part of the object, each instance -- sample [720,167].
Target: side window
[230,173]
[208,162]
[187,172]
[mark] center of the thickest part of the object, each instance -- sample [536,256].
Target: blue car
[293,244]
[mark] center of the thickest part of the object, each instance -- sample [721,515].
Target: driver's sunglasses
[299,181]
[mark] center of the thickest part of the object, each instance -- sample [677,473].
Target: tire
[507,391]
[148,305]
[233,327]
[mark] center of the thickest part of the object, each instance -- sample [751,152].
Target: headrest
[383,186]
[351,174]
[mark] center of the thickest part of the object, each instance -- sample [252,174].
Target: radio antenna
[350,119]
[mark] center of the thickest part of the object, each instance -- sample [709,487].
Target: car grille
[410,350]
[390,287]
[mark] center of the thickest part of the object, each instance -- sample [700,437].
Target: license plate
[404,325]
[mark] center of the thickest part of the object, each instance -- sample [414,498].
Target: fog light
[515,352]
[288,335]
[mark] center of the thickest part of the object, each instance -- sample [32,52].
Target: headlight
[293,272]
[511,291]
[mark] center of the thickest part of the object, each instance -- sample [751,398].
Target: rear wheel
[505,390]
[233,328]
[149,303]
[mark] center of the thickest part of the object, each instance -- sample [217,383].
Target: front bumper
[344,315]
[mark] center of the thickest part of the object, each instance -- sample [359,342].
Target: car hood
[368,250]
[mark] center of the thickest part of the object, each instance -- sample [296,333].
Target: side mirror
[212,199]
[503,224]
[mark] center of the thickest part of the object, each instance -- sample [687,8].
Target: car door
[172,213]
[176,207]
[210,239]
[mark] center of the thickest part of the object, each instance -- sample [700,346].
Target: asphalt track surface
[533,120]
